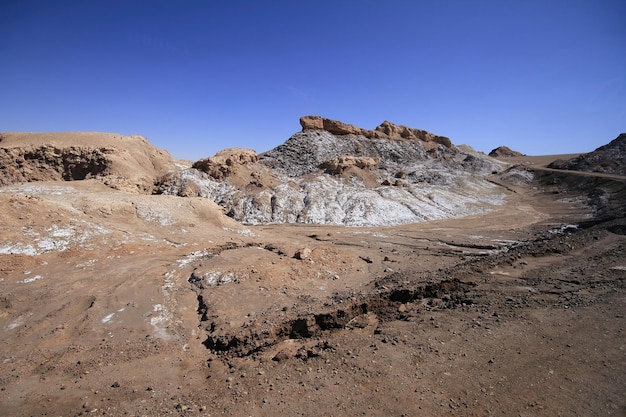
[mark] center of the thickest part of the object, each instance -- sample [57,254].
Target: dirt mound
[607,159]
[128,163]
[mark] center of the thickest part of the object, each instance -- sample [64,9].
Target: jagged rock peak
[386,130]
[504,152]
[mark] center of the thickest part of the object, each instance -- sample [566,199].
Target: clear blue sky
[541,77]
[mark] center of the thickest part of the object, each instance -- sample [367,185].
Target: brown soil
[177,310]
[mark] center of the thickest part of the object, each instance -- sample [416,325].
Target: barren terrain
[120,303]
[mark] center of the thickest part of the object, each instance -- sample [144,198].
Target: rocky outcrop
[50,163]
[607,159]
[128,163]
[392,131]
[344,178]
[333,126]
[305,151]
[504,152]
[312,123]
[385,130]
[226,162]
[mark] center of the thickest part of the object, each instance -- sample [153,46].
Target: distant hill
[607,159]
[504,152]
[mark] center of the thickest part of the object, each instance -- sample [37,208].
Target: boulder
[333,126]
[302,254]
[311,122]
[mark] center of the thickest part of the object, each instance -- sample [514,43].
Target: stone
[282,355]
[304,253]
[339,128]
[311,122]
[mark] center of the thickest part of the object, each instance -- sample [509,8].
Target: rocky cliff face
[336,173]
[608,159]
[128,163]
[50,163]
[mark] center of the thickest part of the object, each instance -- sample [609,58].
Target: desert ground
[126,304]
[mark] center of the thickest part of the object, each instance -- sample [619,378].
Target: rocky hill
[607,159]
[127,163]
[336,173]
[504,152]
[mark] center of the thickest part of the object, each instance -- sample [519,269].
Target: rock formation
[385,130]
[608,159]
[130,163]
[50,163]
[504,152]
[335,173]
[226,162]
